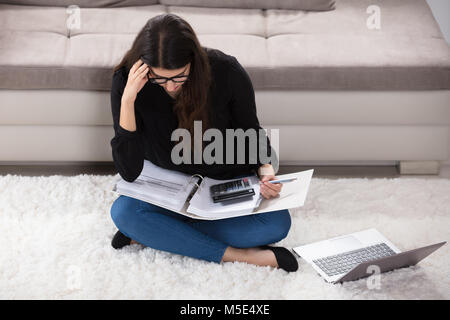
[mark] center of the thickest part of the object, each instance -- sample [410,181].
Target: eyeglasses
[162,80]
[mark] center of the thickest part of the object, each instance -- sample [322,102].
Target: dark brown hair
[169,42]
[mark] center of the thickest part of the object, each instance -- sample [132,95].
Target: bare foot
[256,256]
[263,257]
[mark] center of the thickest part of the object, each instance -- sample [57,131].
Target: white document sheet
[292,195]
[156,184]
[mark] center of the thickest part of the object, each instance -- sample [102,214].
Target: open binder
[189,195]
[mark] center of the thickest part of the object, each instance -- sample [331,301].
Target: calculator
[231,190]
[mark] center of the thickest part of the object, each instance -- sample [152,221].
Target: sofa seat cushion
[280,49]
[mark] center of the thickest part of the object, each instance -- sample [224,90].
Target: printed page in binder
[159,186]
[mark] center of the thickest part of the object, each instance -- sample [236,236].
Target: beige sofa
[339,91]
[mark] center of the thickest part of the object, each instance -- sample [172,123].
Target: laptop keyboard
[344,262]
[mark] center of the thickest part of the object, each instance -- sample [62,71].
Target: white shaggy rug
[55,235]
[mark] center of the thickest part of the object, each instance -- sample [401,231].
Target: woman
[164,82]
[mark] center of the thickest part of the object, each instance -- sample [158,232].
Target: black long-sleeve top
[232,106]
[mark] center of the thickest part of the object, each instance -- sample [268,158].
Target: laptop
[351,257]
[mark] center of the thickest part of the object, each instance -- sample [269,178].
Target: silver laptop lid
[399,260]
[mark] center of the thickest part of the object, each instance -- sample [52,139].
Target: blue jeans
[166,230]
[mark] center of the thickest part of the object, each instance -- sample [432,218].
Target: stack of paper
[157,185]
[171,190]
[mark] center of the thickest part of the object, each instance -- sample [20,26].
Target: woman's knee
[262,229]
[278,224]
[122,210]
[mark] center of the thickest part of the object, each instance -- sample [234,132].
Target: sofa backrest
[307,5]
[313,5]
[82,3]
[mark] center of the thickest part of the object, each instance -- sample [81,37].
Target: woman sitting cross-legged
[167,81]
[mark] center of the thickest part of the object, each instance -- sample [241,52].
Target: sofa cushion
[82,3]
[115,21]
[224,21]
[248,4]
[40,19]
[281,49]
[310,5]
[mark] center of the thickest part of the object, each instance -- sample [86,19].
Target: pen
[282,180]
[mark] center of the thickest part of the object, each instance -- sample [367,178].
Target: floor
[56,241]
[319,171]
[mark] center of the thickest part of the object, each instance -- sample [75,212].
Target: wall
[441,11]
